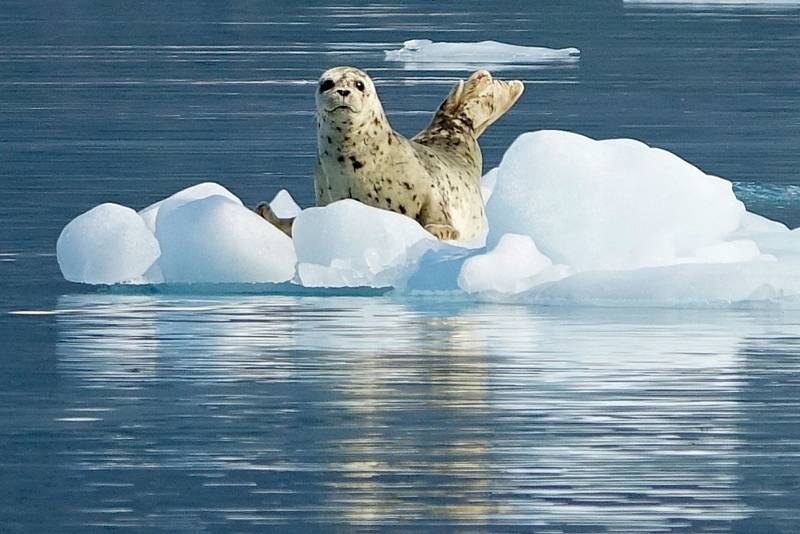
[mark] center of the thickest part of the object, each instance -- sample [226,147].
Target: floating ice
[284,206]
[421,51]
[572,221]
[614,204]
[216,239]
[106,245]
[713,3]
[350,244]
[195,192]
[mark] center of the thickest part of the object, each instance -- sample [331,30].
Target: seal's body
[433,177]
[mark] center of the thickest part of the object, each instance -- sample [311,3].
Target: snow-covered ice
[572,221]
[351,244]
[108,244]
[420,51]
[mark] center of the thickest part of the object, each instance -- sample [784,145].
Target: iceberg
[424,53]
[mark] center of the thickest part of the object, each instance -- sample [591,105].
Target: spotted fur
[433,177]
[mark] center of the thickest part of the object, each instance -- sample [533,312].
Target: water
[298,412]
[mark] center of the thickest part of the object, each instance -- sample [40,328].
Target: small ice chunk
[195,192]
[216,239]
[108,244]
[284,206]
[348,243]
[613,204]
[513,266]
[425,50]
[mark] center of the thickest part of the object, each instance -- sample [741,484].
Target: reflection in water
[266,410]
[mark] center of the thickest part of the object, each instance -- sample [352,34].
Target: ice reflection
[373,411]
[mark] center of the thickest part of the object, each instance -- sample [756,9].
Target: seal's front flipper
[443,231]
[284,225]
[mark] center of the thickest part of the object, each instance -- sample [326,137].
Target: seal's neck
[352,133]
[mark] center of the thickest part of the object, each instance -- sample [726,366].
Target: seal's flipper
[284,225]
[475,103]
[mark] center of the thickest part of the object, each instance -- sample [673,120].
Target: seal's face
[345,92]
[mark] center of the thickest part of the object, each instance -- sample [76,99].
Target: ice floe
[424,53]
[572,220]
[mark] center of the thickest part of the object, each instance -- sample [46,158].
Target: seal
[434,177]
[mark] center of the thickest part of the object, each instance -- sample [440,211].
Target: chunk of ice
[106,245]
[348,243]
[284,206]
[216,239]
[613,204]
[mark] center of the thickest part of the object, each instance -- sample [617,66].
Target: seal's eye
[325,85]
[360,85]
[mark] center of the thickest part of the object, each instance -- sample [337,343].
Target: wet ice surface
[236,412]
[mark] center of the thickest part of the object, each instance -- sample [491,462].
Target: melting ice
[572,220]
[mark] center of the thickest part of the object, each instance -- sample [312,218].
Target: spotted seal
[434,177]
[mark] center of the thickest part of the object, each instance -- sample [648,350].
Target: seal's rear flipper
[477,102]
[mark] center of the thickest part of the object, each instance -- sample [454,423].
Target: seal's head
[347,93]
[481,99]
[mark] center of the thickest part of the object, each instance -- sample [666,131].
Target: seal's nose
[343,92]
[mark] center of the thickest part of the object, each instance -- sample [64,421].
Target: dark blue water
[262,412]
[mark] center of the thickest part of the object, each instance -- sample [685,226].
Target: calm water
[287,412]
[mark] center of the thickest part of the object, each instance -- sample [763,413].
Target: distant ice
[572,221]
[717,3]
[441,54]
